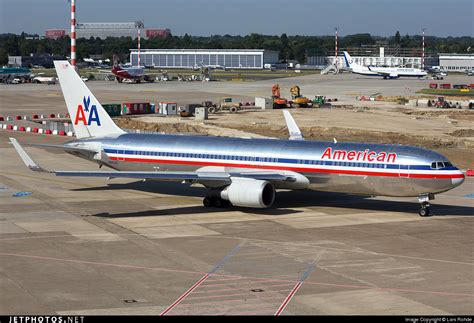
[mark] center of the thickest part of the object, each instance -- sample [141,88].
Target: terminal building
[189,58]
[456,62]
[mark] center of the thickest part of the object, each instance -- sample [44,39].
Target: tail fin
[88,117]
[349,61]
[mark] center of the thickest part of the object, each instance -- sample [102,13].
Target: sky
[242,17]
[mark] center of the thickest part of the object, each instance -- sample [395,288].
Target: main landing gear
[212,201]
[425,204]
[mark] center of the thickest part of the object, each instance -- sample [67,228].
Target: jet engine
[249,192]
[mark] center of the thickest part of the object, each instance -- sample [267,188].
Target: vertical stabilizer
[88,117]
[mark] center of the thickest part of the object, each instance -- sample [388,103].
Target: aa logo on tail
[87,110]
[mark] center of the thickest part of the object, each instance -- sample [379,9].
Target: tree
[284,46]
[3,56]
[397,37]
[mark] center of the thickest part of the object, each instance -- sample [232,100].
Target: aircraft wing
[198,176]
[382,73]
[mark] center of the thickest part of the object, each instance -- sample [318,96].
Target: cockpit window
[439,165]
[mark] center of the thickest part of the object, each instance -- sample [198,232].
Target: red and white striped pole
[139,47]
[138,25]
[423,51]
[73,33]
[335,54]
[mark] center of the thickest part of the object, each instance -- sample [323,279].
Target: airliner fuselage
[356,168]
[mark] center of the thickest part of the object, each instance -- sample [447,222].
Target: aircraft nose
[459,179]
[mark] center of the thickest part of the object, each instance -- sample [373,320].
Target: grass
[445,92]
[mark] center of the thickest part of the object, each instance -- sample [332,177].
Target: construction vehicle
[278,101]
[225,104]
[441,103]
[320,101]
[298,100]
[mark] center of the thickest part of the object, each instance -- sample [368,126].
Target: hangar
[189,58]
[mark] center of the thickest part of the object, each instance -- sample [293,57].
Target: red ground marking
[288,298]
[189,291]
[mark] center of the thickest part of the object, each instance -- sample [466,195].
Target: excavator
[278,101]
[298,100]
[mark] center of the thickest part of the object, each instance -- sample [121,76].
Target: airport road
[91,246]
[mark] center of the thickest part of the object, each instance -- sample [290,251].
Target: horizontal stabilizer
[24,156]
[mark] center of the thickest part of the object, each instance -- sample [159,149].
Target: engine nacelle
[248,192]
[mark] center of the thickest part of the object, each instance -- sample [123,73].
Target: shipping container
[129,108]
[113,109]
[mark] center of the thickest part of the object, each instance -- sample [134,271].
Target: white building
[456,62]
[188,58]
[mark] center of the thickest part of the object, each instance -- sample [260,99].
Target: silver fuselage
[354,168]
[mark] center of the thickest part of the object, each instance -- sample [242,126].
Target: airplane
[385,72]
[132,73]
[201,65]
[245,172]
[8,74]
[136,74]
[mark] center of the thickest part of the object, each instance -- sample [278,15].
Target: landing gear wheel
[207,202]
[218,203]
[425,210]
[215,202]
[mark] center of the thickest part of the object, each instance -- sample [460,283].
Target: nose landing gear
[425,204]
[425,209]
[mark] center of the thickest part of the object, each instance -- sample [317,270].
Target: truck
[225,104]
[44,79]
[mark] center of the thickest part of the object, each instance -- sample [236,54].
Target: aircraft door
[403,171]
[120,152]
